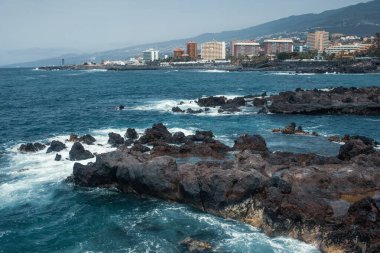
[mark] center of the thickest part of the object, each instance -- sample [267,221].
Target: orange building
[177,53]
[192,50]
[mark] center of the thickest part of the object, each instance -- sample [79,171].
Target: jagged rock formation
[332,202]
[360,101]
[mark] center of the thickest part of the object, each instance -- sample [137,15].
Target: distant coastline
[318,67]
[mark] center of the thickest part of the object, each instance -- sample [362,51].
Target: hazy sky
[60,26]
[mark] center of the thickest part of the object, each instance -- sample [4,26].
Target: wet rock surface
[31,147]
[359,101]
[115,139]
[332,202]
[56,146]
[78,153]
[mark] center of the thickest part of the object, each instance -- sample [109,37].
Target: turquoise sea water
[39,212]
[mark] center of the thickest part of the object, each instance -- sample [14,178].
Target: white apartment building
[150,55]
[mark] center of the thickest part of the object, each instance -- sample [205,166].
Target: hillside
[361,19]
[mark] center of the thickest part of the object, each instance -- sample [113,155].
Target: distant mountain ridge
[361,19]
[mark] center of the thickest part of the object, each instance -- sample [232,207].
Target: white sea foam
[30,173]
[167,105]
[213,71]
[291,74]
[244,237]
[94,70]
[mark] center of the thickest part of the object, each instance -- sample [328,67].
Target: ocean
[40,212]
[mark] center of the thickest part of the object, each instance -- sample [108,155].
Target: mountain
[362,19]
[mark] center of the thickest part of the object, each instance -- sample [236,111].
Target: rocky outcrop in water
[115,139]
[359,101]
[31,147]
[56,146]
[86,139]
[78,153]
[332,202]
[292,128]
[131,134]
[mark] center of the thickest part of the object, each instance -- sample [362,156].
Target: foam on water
[290,74]
[94,70]
[167,105]
[213,71]
[29,173]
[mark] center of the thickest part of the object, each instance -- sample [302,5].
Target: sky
[36,29]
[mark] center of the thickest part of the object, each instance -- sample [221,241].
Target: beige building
[347,49]
[213,50]
[318,40]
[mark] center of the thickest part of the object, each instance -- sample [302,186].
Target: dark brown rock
[337,101]
[212,101]
[251,142]
[31,147]
[158,132]
[131,134]
[78,153]
[115,139]
[355,147]
[56,146]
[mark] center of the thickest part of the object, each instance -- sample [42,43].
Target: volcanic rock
[158,132]
[325,201]
[56,146]
[178,137]
[31,147]
[202,136]
[140,148]
[58,157]
[177,109]
[211,101]
[360,101]
[191,111]
[229,108]
[290,129]
[115,139]
[251,142]
[355,147]
[131,134]
[87,139]
[195,246]
[78,153]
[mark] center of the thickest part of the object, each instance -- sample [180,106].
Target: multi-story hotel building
[191,50]
[150,55]
[318,40]
[275,46]
[346,49]
[241,48]
[213,50]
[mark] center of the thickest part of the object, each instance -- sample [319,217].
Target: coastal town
[318,51]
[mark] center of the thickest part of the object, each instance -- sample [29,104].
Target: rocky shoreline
[331,202]
[340,100]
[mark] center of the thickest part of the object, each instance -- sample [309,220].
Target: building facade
[213,50]
[178,53]
[191,50]
[275,46]
[150,55]
[242,48]
[347,49]
[318,40]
